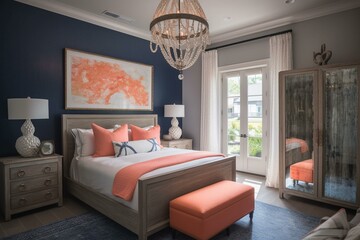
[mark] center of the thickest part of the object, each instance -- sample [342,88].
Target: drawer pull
[47,182]
[48,195]
[21,173]
[47,170]
[22,202]
[22,187]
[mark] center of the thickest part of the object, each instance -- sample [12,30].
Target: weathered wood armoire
[319,134]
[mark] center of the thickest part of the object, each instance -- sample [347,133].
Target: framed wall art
[102,83]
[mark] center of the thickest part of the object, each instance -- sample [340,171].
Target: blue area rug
[269,222]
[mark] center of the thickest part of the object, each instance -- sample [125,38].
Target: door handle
[243,135]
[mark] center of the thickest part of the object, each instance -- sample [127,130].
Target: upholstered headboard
[70,121]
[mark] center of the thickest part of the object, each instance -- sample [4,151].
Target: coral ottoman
[205,212]
[302,171]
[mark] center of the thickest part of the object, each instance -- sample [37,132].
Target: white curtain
[280,60]
[210,104]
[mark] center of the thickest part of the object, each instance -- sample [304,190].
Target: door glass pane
[340,135]
[299,124]
[233,113]
[254,115]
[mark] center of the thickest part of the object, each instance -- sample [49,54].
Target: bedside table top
[173,140]
[19,159]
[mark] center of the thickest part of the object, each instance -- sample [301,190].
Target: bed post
[142,235]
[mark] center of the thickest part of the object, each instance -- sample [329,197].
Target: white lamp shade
[174,111]
[28,108]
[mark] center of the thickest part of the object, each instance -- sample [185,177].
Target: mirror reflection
[299,120]
[340,137]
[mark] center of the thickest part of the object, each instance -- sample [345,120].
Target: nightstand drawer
[29,183]
[33,198]
[33,170]
[33,184]
[181,145]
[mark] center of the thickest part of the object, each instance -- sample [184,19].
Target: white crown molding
[82,15]
[336,7]
[86,16]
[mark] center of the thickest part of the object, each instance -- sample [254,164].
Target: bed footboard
[156,193]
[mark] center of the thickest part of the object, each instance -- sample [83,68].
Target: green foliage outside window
[254,138]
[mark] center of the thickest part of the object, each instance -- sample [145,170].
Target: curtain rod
[248,40]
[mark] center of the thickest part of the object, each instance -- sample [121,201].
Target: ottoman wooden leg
[173,233]
[251,215]
[228,231]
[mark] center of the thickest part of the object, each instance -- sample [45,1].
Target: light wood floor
[73,207]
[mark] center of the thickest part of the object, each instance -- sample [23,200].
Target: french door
[244,118]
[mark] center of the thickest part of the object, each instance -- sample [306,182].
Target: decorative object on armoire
[174,111]
[322,57]
[96,82]
[181,31]
[319,130]
[28,108]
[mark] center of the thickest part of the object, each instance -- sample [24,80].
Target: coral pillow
[104,139]
[130,135]
[139,133]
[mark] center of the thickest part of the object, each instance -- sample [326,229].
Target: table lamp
[27,108]
[174,111]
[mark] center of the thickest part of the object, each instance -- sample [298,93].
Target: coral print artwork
[98,82]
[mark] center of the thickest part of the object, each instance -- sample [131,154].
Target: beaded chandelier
[180,29]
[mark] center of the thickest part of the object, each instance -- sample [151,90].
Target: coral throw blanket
[126,178]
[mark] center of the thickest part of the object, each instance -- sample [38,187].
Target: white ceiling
[227,18]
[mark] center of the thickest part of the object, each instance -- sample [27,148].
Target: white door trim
[263,64]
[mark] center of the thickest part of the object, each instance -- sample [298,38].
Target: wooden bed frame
[154,193]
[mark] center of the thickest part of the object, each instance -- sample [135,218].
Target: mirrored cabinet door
[298,113]
[340,132]
[319,134]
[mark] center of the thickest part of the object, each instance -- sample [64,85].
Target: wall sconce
[174,111]
[27,108]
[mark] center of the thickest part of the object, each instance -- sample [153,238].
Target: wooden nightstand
[28,183]
[178,143]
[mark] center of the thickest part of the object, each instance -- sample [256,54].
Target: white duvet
[98,173]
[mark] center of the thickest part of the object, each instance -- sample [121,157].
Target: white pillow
[87,141]
[77,150]
[336,227]
[356,219]
[354,233]
[134,147]
[84,142]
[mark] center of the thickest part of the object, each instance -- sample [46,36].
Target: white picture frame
[96,82]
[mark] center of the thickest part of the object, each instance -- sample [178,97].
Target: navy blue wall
[32,43]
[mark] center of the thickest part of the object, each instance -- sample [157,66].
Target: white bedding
[291,146]
[98,173]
